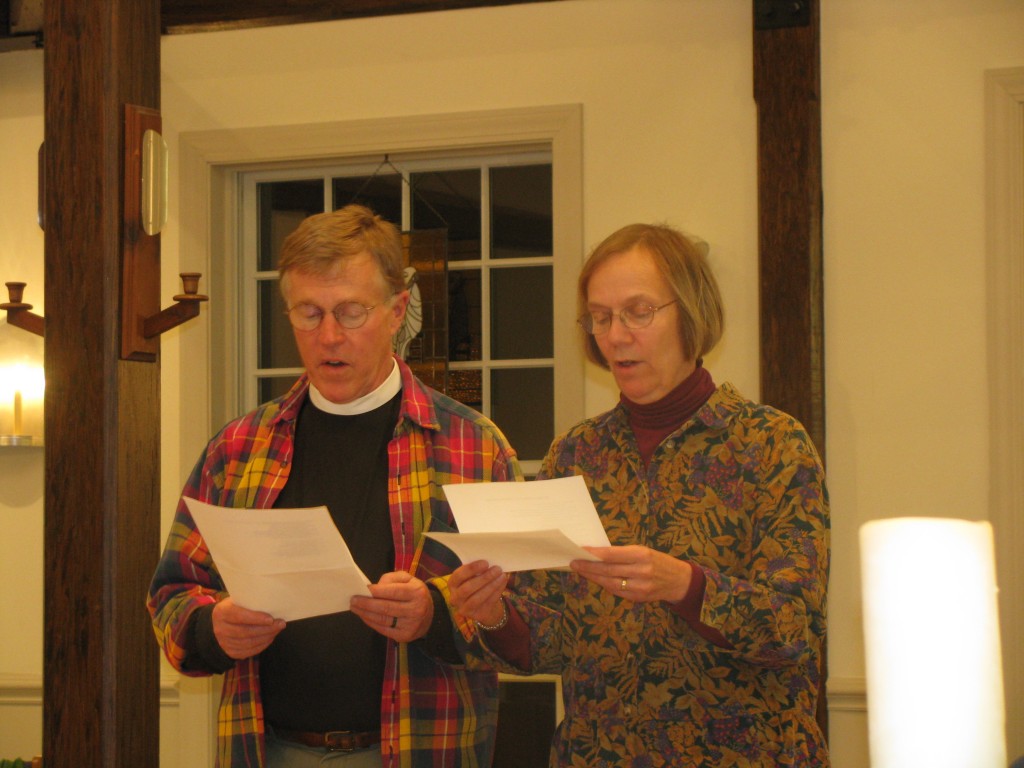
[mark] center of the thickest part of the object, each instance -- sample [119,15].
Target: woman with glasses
[696,638]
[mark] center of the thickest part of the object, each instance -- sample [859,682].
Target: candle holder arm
[186,307]
[19,313]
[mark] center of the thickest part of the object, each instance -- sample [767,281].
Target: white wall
[669,134]
[21,471]
[904,243]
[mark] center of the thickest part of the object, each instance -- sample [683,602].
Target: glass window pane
[276,345]
[464,342]
[522,314]
[522,405]
[381,193]
[282,205]
[449,199]
[467,388]
[422,341]
[270,387]
[521,211]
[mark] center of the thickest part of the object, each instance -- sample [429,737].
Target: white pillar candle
[931,627]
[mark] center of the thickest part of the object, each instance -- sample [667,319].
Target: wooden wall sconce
[185,307]
[145,213]
[20,314]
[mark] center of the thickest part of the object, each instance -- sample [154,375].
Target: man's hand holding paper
[289,563]
[242,633]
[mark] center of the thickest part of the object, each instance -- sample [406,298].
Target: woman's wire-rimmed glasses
[634,317]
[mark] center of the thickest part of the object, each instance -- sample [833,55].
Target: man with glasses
[382,684]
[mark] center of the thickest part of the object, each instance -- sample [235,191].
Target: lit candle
[17,412]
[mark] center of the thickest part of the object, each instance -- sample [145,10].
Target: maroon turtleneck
[653,422]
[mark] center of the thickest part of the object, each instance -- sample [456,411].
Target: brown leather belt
[335,741]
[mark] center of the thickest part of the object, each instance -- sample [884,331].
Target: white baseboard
[847,694]
[26,690]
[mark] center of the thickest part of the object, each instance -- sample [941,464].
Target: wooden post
[100,690]
[787,92]
[786,88]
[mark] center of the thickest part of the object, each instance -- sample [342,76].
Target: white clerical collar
[390,387]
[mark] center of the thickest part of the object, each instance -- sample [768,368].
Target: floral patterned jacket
[739,492]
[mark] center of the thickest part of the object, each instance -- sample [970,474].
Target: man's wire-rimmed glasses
[634,317]
[349,314]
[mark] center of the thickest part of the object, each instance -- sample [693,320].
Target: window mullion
[485,287]
[248,284]
[406,202]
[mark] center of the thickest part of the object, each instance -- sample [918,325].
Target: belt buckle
[332,747]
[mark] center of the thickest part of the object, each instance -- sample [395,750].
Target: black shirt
[326,672]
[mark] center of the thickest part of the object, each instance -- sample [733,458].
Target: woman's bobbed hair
[683,263]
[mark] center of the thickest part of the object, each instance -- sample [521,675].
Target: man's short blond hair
[323,241]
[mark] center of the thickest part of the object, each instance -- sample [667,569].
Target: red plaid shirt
[432,713]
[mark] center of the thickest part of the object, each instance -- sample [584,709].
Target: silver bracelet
[500,624]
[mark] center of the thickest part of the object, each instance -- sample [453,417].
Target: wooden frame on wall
[1004,246]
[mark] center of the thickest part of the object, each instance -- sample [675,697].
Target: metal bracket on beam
[781,14]
[145,197]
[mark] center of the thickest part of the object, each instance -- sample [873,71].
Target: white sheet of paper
[519,551]
[290,563]
[523,526]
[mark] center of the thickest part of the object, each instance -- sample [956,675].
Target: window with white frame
[495,212]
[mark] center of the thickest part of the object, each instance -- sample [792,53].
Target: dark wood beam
[102,413]
[182,16]
[787,92]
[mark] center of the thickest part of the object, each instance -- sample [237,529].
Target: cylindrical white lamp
[931,626]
